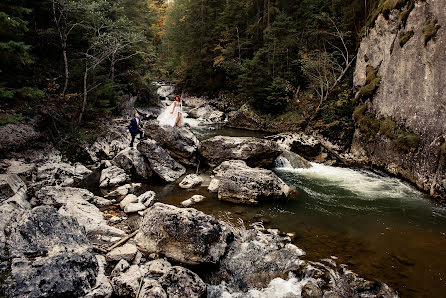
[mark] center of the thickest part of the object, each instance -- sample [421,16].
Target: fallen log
[122,241]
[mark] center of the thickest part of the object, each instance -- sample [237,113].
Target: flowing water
[379,226]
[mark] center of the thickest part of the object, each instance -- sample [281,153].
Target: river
[380,226]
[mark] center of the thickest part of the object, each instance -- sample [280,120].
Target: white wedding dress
[168,119]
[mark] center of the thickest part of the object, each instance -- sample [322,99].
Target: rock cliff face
[405,51]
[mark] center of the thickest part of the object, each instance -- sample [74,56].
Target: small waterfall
[282,163]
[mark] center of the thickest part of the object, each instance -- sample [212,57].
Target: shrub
[407,141]
[387,127]
[359,111]
[6,118]
[370,88]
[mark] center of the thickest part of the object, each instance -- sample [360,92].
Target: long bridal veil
[168,119]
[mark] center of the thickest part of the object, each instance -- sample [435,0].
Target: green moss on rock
[359,111]
[405,37]
[369,89]
[6,118]
[387,127]
[430,31]
[407,141]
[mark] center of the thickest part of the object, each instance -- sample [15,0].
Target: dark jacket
[134,124]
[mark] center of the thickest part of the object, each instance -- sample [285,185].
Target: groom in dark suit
[134,127]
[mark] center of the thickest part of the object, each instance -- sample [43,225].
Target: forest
[72,62]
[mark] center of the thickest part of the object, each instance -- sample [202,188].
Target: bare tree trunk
[238,45]
[112,68]
[84,102]
[67,73]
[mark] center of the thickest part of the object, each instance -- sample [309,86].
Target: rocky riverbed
[58,238]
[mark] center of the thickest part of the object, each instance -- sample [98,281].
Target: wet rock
[179,142]
[201,112]
[311,290]
[122,266]
[255,258]
[61,173]
[256,152]
[127,283]
[133,163]
[191,181]
[193,200]
[185,235]
[239,183]
[216,116]
[160,161]
[148,198]
[126,252]
[213,185]
[102,288]
[89,216]
[153,289]
[134,207]
[181,282]
[160,266]
[291,159]
[113,176]
[128,200]
[51,256]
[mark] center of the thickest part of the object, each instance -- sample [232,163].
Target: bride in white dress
[173,114]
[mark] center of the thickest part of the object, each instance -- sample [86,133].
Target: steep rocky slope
[401,66]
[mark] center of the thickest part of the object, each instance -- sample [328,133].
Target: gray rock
[160,161]
[311,290]
[128,200]
[113,176]
[8,212]
[126,252]
[108,146]
[17,136]
[152,288]
[216,117]
[190,181]
[160,266]
[102,288]
[61,173]
[133,163]
[13,190]
[89,216]
[246,118]
[121,191]
[148,198]
[411,93]
[51,256]
[134,207]
[127,283]
[291,159]
[26,171]
[181,282]
[185,235]
[179,142]
[122,266]
[256,152]
[58,196]
[239,183]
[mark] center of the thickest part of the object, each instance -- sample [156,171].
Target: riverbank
[107,219]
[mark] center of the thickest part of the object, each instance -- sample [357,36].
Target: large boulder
[181,282]
[89,216]
[16,136]
[133,163]
[26,171]
[113,176]
[179,142]
[236,182]
[61,173]
[185,235]
[256,152]
[58,196]
[291,160]
[127,283]
[50,256]
[160,161]
[114,141]
[190,181]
